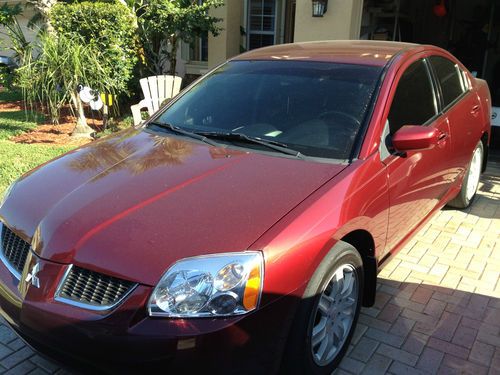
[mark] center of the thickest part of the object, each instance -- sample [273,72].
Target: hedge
[109,27]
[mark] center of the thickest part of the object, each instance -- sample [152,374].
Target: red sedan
[244,224]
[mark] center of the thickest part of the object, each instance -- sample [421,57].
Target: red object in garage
[440,9]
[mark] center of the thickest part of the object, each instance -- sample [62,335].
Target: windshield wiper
[178,130]
[277,146]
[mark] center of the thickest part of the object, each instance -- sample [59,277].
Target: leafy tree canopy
[186,19]
[172,21]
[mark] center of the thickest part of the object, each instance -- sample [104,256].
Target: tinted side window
[413,102]
[450,78]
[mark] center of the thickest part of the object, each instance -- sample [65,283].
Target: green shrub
[11,95]
[6,77]
[108,28]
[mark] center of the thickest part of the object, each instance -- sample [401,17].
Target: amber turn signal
[252,288]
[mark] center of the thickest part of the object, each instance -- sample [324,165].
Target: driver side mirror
[413,137]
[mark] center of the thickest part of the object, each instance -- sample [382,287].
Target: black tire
[461,200]
[298,358]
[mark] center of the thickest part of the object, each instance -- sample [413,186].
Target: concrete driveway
[437,308]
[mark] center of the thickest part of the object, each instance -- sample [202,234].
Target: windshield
[316,108]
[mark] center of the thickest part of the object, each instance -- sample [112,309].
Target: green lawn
[15,158]
[17,122]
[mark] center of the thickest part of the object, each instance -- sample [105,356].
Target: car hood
[132,204]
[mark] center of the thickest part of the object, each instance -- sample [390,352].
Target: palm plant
[165,151]
[105,155]
[115,153]
[52,78]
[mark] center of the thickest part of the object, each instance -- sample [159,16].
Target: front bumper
[126,339]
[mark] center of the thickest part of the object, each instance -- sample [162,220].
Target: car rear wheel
[327,314]
[471,180]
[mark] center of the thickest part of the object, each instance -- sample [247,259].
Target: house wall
[341,21]
[227,43]
[23,19]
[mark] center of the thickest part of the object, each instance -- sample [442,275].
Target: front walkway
[437,308]
[438,301]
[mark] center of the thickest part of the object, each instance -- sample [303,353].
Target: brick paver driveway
[438,300]
[437,308]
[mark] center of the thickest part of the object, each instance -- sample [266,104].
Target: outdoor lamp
[319,7]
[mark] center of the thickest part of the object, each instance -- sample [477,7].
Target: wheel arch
[364,243]
[484,141]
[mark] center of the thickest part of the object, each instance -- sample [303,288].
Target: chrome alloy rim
[474,173]
[334,315]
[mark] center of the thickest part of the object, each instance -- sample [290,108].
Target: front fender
[355,199]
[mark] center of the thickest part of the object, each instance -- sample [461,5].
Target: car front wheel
[327,315]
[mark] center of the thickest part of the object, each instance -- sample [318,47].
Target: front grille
[14,249]
[93,288]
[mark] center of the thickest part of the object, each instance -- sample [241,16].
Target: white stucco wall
[341,21]
[23,21]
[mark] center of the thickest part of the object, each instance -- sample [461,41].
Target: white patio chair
[156,90]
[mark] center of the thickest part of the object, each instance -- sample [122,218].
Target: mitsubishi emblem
[32,276]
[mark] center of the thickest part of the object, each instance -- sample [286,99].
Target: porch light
[319,7]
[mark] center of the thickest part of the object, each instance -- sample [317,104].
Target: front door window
[414,102]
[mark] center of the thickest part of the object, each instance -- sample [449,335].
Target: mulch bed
[48,133]
[11,106]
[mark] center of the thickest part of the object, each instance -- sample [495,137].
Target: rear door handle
[475,109]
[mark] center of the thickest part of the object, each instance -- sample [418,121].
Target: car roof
[365,52]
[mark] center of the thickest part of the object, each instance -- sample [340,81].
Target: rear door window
[450,79]
[414,101]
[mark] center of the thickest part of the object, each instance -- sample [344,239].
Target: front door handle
[442,136]
[475,109]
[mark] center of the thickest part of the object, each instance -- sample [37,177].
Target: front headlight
[7,193]
[208,286]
